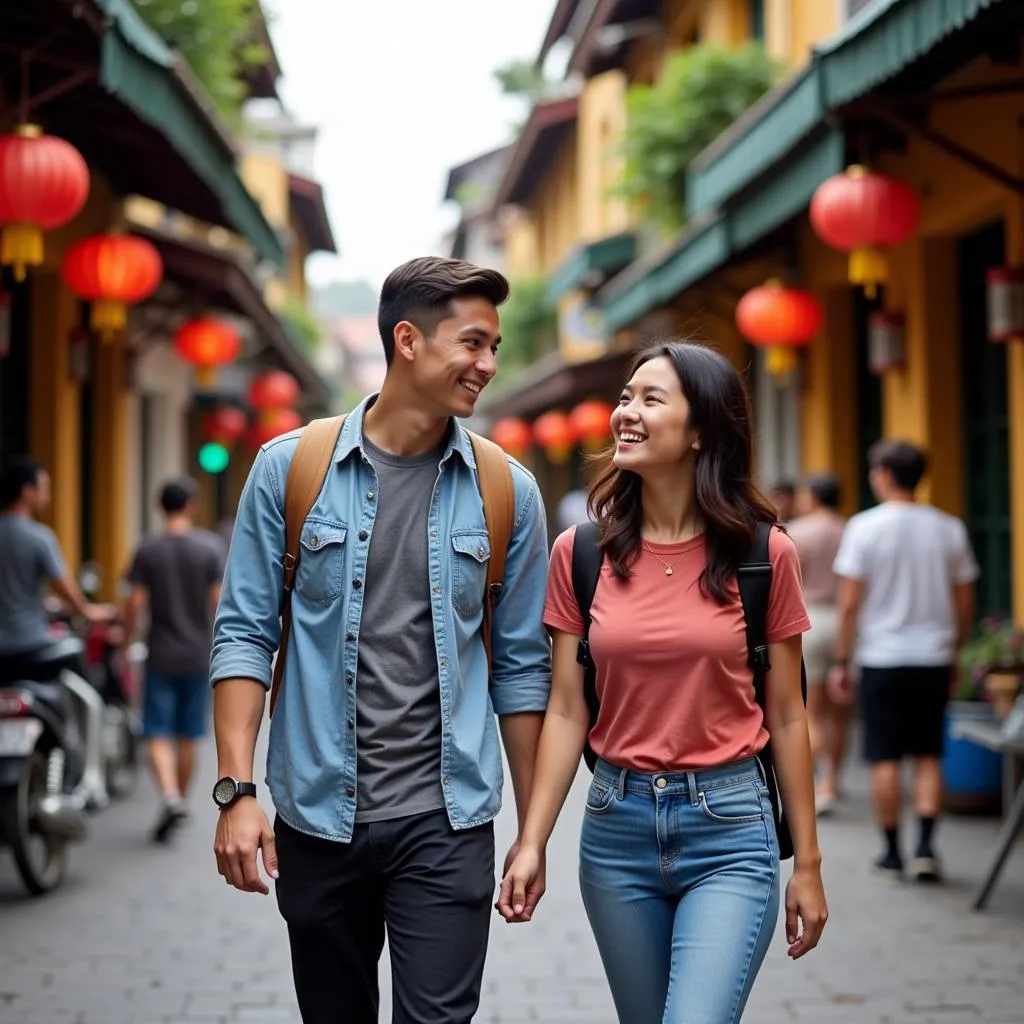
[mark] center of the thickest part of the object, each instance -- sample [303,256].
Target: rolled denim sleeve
[247,626]
[521,650]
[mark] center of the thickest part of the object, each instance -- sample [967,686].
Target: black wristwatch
[228,790]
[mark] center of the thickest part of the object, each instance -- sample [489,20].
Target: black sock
[924,846]
[892,841]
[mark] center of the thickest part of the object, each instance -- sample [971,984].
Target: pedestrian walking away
[817,533]
[680,845]
[906,605]
[399,644]
[175,577]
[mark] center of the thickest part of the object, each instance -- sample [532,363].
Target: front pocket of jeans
[600,798]
[734,805]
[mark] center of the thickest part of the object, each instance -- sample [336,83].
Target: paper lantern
[44,182]
[862,213]
[1005,295]
[207,343]
[553,432]
[273,423]
[781,320]
[513,435]
[224,425]
[273,390]
[112,272]
[591,424]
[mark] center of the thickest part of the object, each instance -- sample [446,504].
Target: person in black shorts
[907,593]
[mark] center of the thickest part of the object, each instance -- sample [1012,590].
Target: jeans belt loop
[691,781]
[620,789]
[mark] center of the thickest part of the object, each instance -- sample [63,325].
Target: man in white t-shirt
[907,594]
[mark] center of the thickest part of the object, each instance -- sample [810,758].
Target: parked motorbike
[45,787]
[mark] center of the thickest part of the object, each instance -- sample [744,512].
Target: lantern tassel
[205,376]
[868,268]
[781,362]
[108,318]
[21,247]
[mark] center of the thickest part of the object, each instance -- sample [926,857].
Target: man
[907,591]
[384,764]
[783,497]
[31,560]
[177,575]
[817,532]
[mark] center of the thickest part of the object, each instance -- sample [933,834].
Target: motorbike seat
[41,664]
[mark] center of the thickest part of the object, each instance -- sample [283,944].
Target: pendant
[668,570]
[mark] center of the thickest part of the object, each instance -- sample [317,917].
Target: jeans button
[661,783]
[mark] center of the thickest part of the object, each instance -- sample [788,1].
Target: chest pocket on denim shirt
[321,570]
[469,571]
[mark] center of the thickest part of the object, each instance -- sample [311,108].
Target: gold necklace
[668,565]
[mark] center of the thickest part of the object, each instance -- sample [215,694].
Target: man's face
[38,494]
[452,368]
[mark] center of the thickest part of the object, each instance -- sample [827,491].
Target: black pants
[430,886]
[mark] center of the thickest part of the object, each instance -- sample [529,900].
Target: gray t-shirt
[30,558]
[398,693]
[179,570]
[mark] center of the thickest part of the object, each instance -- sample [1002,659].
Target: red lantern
[553,432]
[591,423]
[780,319]
[861,212]
[515,436]
[1005,295]
[207,343]
[44,182]
[111,271]
[273,423]
[273,390]
[224,425]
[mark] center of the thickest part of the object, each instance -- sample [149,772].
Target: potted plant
[991,665]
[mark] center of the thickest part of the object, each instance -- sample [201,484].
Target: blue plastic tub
[972,774]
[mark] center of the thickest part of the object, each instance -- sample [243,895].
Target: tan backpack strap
[310,463]
[498,493]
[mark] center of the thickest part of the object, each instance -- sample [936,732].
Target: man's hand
[99,612]
[242,830]
[522,886]
[840,684]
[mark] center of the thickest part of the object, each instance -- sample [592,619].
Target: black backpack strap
[754,577]
[586,570]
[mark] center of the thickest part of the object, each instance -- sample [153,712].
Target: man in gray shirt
[31,560]
[177,574]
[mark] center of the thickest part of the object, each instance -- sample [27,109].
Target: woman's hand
[805,902]
[522,886]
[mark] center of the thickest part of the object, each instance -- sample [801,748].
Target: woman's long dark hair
[727,501]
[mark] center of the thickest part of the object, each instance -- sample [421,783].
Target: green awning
[873,46]
[144,74]
[709,243]
[595,260]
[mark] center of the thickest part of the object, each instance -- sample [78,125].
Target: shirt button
[356,584]
[433,533]
[350,637]
[363,535]
[351,724]
[437,590]
[446,781]
[315,541]
[369,495]
[661,783]
[350,791]
[349,678]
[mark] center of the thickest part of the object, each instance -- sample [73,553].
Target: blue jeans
[680,879]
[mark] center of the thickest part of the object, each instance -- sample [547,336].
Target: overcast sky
[401,90]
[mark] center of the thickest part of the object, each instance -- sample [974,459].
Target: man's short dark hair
[825,488]
[906,463]
[19,472]
[784,487]
[175,495]
[421,292]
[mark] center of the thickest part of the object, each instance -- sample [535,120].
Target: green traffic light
[213,458]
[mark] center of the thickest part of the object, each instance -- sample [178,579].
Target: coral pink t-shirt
[675,688]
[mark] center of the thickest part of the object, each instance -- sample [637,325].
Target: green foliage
[521,78]
[998,643]
[701,91]
[529,325]
[216,39]
[302,326]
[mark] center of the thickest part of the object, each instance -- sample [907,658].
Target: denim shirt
[312,757]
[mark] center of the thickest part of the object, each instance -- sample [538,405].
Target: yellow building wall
[267,180]
[724,22]
[599,127]
[555,207]
[792,28]
[296,269]
[521,250]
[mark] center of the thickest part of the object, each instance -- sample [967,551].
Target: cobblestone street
[140,935]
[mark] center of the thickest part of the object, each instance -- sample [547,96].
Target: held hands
[523,884]
[242,830]
[840,684]
[805,902]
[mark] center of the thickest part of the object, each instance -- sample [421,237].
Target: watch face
[224,791]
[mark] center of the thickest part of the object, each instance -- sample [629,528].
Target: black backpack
[754,577]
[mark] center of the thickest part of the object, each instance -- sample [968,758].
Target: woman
[679,859]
